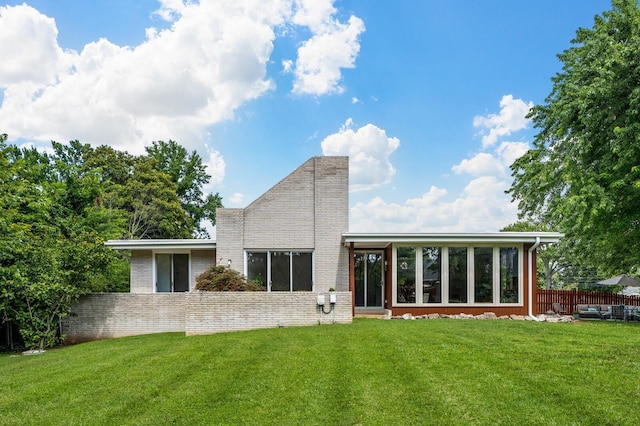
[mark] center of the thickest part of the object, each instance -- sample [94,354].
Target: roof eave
[193,244]
[494,237]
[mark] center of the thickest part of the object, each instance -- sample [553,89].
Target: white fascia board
[194,244]
[452,238]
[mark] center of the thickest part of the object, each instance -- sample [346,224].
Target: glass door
[172,272]
[369,273]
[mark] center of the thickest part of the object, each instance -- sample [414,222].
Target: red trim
[352,278]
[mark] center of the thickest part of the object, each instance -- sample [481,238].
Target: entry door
[369,280]
[172,272]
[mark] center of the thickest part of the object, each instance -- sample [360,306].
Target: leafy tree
[188,173]
[153,205]
[43,266]
[548,259]
[582,175]
[56,211]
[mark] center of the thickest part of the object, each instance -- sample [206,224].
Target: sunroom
[447,273]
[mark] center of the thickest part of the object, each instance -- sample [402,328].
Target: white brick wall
[107,315]
[141,271]
[309,209]
[214,312]
[201,260]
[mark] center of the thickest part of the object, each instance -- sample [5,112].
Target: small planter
[576,315]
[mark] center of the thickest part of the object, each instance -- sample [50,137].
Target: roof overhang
[193,244]
[381,240]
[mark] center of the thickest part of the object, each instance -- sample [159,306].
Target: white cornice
[378,239]
[194,244]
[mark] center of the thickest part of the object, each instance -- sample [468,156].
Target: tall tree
[188,173]
[48,259]
[582,175]
[548,259]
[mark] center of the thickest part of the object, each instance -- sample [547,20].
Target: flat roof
[379,240]
[192,243]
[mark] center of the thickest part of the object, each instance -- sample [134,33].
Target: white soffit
[381,240]
[194,244]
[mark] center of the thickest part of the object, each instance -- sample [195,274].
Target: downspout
[530,280]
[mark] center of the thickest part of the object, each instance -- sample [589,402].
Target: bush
[221,278]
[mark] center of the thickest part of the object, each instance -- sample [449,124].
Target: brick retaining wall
[213,312]
[107,315]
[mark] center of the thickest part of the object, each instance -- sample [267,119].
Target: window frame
[291,267]
[154,269]
[444,253]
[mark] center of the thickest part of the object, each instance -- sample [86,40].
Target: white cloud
[28,47]
[236,199]
[511,151]
[368,149]
[287,66]
[481,207]
[510,119]
[180,80]
[492,164]
[479,165]
[333,46]
[215,167]
[355,100]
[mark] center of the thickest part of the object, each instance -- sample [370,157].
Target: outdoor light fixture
[229,263]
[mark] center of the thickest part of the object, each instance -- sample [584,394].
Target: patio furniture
[558,309]
[594,311]
[633,313]
[619,312]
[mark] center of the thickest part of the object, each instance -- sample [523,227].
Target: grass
[370,372]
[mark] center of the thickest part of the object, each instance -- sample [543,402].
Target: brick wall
[331,220]
[307,210]
[201,260]
[214,312]
[230,237]
[141,271]
[108,315]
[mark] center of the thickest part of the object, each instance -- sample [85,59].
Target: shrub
[221,278]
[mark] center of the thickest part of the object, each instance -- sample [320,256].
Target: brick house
[294,239]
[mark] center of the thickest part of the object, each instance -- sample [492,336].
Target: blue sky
[427,97]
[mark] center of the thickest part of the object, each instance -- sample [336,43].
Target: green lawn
[370,372]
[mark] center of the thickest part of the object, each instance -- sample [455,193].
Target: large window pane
[280,271]
[257,267]
[509,274]
[406,274]
[302,271]
[359,270]
[163,273]
[180,272]
[374,279]
[431,275]
[458,275]
[483,274]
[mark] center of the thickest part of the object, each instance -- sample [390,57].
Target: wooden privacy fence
[568,299]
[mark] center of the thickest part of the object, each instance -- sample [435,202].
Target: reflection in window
[406,274]
[431,275]
[483,274]
[283,270]
[257,267]
[509,275]
[457,275]
[172,272]
[280,271]
[360,277]
[302,264]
